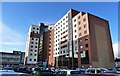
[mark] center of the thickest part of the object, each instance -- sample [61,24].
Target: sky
[18,16]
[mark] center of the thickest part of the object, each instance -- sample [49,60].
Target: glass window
[75,48]
[75,30]
[75,36]
[33,27]
[34,59]
[74,20]
[85,25]
[79,28]
[32,38]
[30,59]
[80,40]
[86,45]
[79,17]
[35,50]
[85,32]
[84,19]
[32,42]
[80,34]
[75,42]
[35,46]
[86,38]
[75,25]
[30,53]
[37,28]
[31,46]
[35,42]
[81,46]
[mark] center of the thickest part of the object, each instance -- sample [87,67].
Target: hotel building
[39,45]
[78,39]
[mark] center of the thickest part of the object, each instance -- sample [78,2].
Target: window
[32,42]
[85,32]
[61,52]
[75,48]
[63,19]
[35,46]
[66,17]
[75,42]
[35,42]
[30,59]
[35,54]
[33,27]
[37,28]
[64,51]
[85,25]
[79,28]
[80,34]
[75,25]
[30,53]
[49,42]
[50,27]
[32,38]
[79,17]
[81,46]
[75,36]
[74,20]
[86,45]
[31,50]
[79,22]
[36,39]
[66,25]
[84,19]
[34,59]
[35,50]
[86,38]
[31,46]
[75,30]
[80,40]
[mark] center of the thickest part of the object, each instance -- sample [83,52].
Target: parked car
[24,70]
[96,70]
[116,70]
[8,71]
[44,73]
[82,70]
[68,73]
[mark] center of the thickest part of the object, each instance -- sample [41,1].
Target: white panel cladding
[60,31]
[32,51]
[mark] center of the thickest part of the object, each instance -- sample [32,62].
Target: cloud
[115,49]
[9,38]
